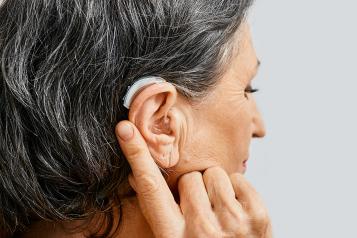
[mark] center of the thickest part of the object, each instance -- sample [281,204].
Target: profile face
[223,125]
[183,136]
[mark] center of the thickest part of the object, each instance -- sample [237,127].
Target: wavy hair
[64,68]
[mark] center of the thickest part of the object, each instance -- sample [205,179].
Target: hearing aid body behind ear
[138,86]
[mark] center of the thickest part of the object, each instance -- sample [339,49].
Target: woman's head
[216,131]
[65,66]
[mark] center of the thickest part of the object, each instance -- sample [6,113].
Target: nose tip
[260,132]
[259,128]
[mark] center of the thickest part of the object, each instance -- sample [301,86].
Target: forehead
[244,54]
[240,68]
[242,63]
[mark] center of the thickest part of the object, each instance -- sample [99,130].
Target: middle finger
[193,194]
[220,191]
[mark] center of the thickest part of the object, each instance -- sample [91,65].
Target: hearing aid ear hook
[139,85]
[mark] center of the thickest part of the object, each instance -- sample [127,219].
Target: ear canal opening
[162,125]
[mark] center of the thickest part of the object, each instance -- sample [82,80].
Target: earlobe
[153,112]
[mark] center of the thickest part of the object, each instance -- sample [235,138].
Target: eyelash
[249,89]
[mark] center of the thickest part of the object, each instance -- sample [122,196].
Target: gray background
[305,168]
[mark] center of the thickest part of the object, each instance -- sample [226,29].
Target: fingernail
[125,132]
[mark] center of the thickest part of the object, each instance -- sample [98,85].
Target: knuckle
[229,204]
[245,205]
[134,151]
[261,216]
[213,171]
[148,184]
[189,177]
[211,174]
[259,222]
[241,231]
[210,231]
[242,227]
[236,177]
[201,226]
[238,217]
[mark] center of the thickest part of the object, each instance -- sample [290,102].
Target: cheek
[221,134]
[240,132]
[237,147]
[233,120]
[237,116]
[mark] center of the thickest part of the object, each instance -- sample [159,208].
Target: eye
[250,89]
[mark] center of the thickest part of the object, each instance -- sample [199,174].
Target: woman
[66,67]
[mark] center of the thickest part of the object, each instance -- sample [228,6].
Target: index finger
[248,196]
[155,198]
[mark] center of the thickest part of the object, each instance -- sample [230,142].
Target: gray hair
[65,66]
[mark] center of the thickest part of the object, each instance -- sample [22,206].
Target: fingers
[193,195]
[222,196]
[209,202]
[135,149]
[250,199]
[219,188]
[155,198]
[244,192]
[195,204]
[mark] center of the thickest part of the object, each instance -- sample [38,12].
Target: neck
[133,224]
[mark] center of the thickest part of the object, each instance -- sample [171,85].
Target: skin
[213,138]
[202,149]
[215,132]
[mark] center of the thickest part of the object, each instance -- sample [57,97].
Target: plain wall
[305,168]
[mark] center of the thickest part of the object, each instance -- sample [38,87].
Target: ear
[154,113]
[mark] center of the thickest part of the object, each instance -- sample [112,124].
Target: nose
[258,125]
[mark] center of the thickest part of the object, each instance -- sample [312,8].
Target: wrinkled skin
[212,204]
[205,193]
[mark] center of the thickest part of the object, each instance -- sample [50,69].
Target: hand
[212,204]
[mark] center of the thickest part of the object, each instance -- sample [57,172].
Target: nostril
[258,127]
[255,135]
[259,133]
